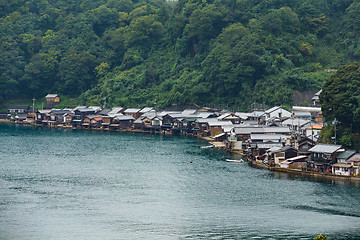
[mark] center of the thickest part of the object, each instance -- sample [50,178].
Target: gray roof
[266,137]
[204,114]
[355,156]
[60,112]
[219,123]
[249,122]
[125,117]
[272,109]
[325,148]
[307,109]
[51,96]
[345,155]
[206,120]
[277,130]
[268,145]
[248,130]
[115,110]
[295,122]
[138,121]
[163,113]
[132,110]
[146,109]
[85,110]
[243,115]
[189,111]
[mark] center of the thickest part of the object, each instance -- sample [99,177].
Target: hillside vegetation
[146,52]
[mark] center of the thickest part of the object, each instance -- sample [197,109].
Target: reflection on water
[66,184]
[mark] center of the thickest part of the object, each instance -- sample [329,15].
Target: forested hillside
[139,52]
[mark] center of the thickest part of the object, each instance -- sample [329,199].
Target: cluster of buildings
[274,137]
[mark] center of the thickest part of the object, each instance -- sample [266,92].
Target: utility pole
[335,122]
[33,104]
[34,109]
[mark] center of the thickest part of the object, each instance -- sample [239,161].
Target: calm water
[72,184]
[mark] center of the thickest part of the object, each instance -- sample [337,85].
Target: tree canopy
[136,52]
[340,97]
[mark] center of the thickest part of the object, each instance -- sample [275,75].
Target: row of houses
[275,137]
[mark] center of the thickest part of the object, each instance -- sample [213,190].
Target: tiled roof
[325,148]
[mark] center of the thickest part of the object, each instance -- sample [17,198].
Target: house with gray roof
[277,112]
[135,112]
[344,156]
[323,155]
[17,108]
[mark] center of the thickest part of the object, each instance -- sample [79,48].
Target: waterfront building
[17,108]
[324,155]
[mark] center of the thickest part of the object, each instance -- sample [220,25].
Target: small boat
[209,146]
[235,160]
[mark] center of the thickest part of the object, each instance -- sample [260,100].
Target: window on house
[356,164]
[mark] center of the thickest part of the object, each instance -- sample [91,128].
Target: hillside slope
[144,52]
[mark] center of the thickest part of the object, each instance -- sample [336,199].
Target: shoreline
[217,145]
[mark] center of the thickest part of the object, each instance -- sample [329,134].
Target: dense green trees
[136,52]
[340,97]
[340,102]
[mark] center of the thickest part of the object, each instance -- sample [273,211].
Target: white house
[276,112]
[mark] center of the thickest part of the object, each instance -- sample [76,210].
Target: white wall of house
[312,132]
[341,171]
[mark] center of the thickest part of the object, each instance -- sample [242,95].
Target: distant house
[344,156]
[232,117]
[296,124]
[216,127]
[138,124]
[122,122]
[80,114]
[303,115]
[135,112]
[3,115]
[283,154]
[116,111]
[69,118]
[315,101]
[52,100]
[189,112]
[33,116]
[295,162]
[18,108]
[343,169]
[146,110]
[57,117]
[276,112]
[94,121]
[106,121]
[314,130]
[355,166]
[304,144]
[323,155]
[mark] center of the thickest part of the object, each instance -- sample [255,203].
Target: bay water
[77,184]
